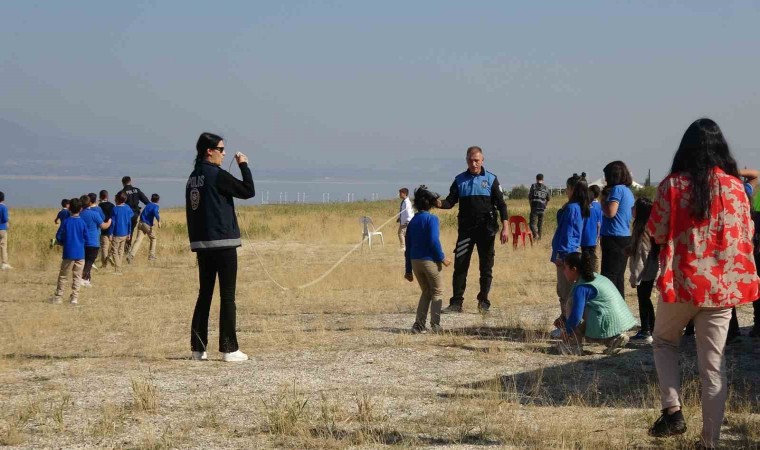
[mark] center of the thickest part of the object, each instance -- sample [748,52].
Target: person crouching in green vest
[598,312]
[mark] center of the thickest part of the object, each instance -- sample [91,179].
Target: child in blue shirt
[567,239]
[121,226]
[93,218]
[148,218]
[424,257]
[4,234]
[72,236]
[62,215]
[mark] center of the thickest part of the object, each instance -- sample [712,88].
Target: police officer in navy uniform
[215,236]
[481,204]
[134,197]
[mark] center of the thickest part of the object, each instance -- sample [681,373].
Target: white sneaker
[56,300]
[200,356]
[237,356]
[94,267]
[556,333]
[86,283]
[6,267]
[73,302]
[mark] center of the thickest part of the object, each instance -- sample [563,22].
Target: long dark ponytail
[580,193]
[703,148]
[205,141]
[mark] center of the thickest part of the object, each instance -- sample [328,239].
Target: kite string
[324,275]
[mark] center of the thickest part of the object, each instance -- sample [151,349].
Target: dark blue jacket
[423,239]
[479,198]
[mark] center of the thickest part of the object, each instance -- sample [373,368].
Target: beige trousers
[711,327]
[143,229]
[75,267]
[3,246]
[402,235]
[105,248]
[564,288]
[117,251]
[428,274]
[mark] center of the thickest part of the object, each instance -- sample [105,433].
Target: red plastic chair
[519,228]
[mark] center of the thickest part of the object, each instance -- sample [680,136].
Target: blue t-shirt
[93,219]
[149,213]
[567,237]
[422,239]
[620,225]
[3,217]
[591,225]
[121,220]
[72,235]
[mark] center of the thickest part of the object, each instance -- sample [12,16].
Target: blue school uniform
[620,225]
[567,237]
[121,220]
[591,225]
[93,219]
[3,217]
[72,235]
[149,214]
[423,239]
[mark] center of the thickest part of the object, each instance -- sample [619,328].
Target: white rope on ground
[324,275]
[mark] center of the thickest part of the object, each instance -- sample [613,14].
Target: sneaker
[236,356]
[668,424]
[556,333]
[200,356]
[617,344]
[6,267]
[94,267]
[483,307]
[73,302]
[569,349]
[642,338]
[436,329]
[418,329]
[152,258]
[86,283]
[55,300]
[129,259]
[452,309]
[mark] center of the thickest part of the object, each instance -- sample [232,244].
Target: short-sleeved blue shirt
[93,219]
[591,225]
[620,225]
[3,217]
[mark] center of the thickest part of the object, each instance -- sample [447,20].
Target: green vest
[607,314]
[756,202]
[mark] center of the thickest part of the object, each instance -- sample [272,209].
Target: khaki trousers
[711,326]
[75,267]
[143,229]
[428,274]
[117,251]
[402,235]
[3,246]
[105,247]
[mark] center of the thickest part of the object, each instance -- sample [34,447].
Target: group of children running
[89,228]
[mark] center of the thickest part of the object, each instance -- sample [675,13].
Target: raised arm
[229,185]
[452,198]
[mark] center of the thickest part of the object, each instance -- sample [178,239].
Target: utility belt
[479,224]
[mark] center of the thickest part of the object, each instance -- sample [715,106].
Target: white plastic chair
[368,231]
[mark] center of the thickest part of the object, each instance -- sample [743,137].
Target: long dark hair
[580,193]
[616,173]
[583,263]
[205,141]
[703,148]
[642,210]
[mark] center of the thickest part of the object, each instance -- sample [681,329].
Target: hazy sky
[556,87]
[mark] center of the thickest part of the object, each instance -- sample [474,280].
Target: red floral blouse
[707,262]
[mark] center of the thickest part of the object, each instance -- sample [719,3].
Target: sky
[373,90]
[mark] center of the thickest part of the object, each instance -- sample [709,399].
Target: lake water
[47,192]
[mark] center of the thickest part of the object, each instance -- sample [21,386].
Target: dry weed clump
[144,394]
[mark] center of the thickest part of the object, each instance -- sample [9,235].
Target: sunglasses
[220,149]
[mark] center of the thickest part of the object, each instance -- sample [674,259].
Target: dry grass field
[332,365]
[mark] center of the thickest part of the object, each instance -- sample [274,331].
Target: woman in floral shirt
[701,220]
